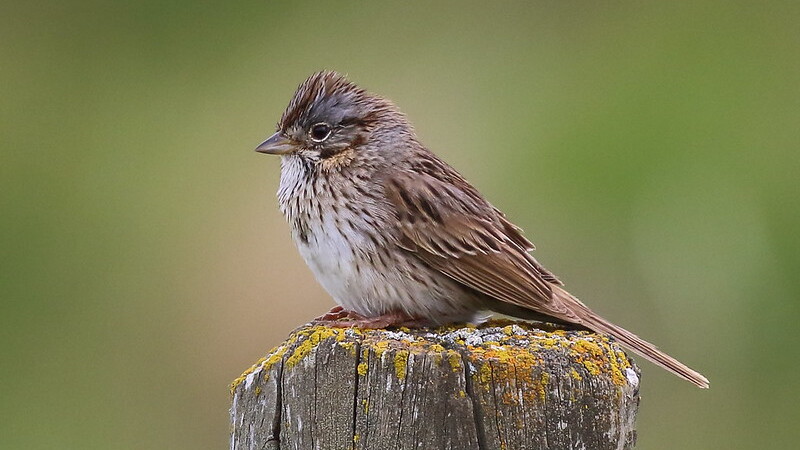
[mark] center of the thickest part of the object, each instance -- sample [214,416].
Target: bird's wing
[447,224]
[454,230]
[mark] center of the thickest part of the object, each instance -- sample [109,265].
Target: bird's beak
[276,145]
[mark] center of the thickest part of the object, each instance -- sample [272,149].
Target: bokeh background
[650,149]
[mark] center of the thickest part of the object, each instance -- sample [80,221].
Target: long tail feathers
[633,342]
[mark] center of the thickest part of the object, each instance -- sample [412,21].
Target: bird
[397,236]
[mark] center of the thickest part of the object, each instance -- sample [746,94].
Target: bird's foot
[341,318]
[336,313]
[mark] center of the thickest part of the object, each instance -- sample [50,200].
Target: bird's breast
[347,234]
[335,231]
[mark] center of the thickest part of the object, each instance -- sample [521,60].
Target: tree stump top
[502,384]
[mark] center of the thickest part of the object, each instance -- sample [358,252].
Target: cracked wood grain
[501,385]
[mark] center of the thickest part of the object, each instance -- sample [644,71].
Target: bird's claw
[339,317]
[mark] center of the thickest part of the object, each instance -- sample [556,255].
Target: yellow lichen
[240,379]
[542,384]
[309,338]
[484,375]
[314,335]
[616,368]
[597,354]
[401,364]
[588,348]
[381,347]
[454,358]
[513,357]
[623,359]
[437,350]
[592,367]
[350,346]
[548,343]
[273,357]
[258,391]
[511,362]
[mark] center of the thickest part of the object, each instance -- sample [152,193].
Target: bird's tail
[641,347]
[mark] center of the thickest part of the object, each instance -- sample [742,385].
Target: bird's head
[329,115]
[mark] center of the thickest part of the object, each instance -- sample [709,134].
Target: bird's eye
[320,132]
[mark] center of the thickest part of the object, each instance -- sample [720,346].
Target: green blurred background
[649,148]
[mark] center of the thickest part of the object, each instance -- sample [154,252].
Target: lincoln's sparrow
[396,235]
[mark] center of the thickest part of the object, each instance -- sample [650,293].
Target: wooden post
[500,385]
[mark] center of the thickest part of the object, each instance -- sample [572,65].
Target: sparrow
[397,236]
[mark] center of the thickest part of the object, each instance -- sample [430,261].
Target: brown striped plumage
[395,234]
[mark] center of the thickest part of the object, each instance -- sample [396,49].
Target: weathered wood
[501,385]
